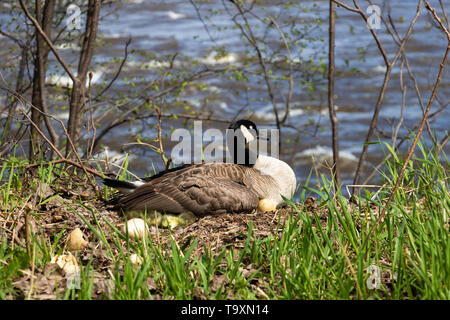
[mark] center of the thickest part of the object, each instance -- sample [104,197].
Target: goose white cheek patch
[248,136]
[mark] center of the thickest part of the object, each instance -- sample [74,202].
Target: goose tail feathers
[123,187]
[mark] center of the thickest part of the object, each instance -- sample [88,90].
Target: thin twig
[397,39]
[402,110]
[165,159]
[291,71]
[389,67]
[117,73]
[336,168]
[64,159]
[90,145]
[422,123]
[47,40]
[247,32]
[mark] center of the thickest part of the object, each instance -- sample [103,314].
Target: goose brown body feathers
[203,189]
[214,188]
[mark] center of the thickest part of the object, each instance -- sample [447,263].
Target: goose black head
[242,137]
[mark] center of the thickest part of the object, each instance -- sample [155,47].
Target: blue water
[169,27]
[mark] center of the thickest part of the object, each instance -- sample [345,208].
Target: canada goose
[213,188]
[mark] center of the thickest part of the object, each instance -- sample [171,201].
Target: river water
[162,28]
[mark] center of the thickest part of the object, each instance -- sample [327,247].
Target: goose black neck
[249,157]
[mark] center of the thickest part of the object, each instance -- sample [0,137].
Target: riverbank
[318,248]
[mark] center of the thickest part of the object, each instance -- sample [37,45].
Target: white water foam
[266,113]
[325,155]
[113,156]
[212,59]
[175,16]
[65,81]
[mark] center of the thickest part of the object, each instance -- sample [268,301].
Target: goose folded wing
[263,185]
[201,195]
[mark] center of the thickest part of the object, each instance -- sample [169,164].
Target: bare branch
[374,34]
[47,40]
[118,71]
[402,110]
[389,67]
[422,123]
[336,171]
[291,71]
[253,41]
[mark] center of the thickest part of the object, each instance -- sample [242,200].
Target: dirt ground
[62,207]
